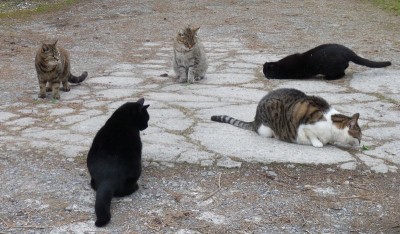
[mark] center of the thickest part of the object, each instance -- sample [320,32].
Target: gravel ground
[43,192]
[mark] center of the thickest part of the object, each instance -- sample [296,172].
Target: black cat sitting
[114,159]
[329,60]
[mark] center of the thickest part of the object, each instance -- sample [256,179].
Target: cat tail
[77,79]
[233,121]
[104,195]
[365,62]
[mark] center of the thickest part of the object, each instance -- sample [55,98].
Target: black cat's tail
[233,121]
[104,195]
[365,62]
[77,79]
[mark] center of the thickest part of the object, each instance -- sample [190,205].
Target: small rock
[71,207]
[228,163]
[265,168]
[206,163]
[271,174]
[210,173]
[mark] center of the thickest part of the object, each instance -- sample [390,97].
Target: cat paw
[197,78]
[42,95]
[182,80]
[135,187]
[190,80]
[56,96]
[102,222]
[317,144]
[66,89]
[93,184]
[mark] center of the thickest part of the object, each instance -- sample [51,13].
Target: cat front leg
[182,74]
[42,87]
[312,138]
[66,87]
[55,87]
[316,143]
[190,75]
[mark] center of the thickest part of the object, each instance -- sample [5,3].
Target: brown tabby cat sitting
[53,66]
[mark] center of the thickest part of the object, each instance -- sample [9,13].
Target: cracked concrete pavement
[180,127]
[44,143]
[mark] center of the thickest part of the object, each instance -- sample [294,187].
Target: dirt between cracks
[41,192]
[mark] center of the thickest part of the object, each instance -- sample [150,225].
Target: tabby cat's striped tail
[77,79]
[233,121]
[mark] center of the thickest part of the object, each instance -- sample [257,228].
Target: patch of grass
[365,147]
[391,5]
[10,9]
[381,97]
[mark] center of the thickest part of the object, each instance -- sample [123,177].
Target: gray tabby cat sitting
[190,62]
[53,67]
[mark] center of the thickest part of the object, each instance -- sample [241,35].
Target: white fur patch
[318,134]
[324,132]
[265,131]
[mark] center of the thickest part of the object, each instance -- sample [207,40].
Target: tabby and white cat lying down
[330,60]
[189,62]
[53,67]
[292,116]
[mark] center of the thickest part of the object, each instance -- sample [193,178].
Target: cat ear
[353,121]
[195,29]
[144,107]
[45,48]
[141,101]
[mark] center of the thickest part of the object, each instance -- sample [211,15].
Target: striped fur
[233,121]
[189,62]
[292,116]
[53,66]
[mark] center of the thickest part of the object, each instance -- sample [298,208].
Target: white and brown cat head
[347,129]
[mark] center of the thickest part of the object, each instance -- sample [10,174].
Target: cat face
[348,130]
[187,37]
[50,53]
[143,116]
[271,70]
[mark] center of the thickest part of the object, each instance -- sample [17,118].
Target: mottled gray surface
[125,46]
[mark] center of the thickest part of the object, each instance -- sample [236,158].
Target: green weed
[391,5]
[41,8]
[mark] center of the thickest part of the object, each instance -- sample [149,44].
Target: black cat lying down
[115,157]
[329,60]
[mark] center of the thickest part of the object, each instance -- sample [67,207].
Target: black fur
[114,159]
[330,60]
